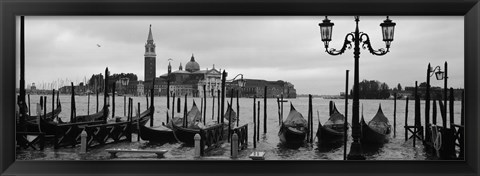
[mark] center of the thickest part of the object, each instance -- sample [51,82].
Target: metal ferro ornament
[357,37]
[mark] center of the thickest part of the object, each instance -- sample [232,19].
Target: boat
[186,130]
[333,130]
[44,123]
[293,130]
[50,115]
[377,131]
[226,117]
[99,116]
[157,134]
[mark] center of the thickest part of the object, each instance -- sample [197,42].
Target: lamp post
[356,37]
[241,82]
[439,75]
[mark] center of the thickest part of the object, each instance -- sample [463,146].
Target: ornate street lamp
[241,82]
[357,37]
[439,74]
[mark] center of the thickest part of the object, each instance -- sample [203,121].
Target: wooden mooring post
[279,117]
[394,115]
[185,121]
[179,102]
[173,107]
[201,110]
[218,107]
[417,132]
[434,113]
[213,104]
[29,114]
[258,121]
[254,123]
[205,104]
[96,91]
[406,119]
[88,104]
[238,110]
[311,121]
[53,103]
[265,110]
[138,122]
[345,125]
[113,100]
[72,105]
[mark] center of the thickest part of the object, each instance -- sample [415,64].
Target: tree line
[374,89]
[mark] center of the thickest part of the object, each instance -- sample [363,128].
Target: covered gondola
[293,130]
[377,131]
[185,129]
[332,131]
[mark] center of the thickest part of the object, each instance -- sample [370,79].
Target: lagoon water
[396,149]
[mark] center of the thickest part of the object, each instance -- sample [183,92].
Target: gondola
[190,126]
[332,131]
[226,117]
[50,115]
[293,130]
[157,134]
[45,123]
[99,116]
[377,131]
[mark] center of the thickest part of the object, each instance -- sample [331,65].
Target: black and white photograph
[240,88]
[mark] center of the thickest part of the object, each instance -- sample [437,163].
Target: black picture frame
[470,9]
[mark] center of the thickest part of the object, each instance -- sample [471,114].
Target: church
[188,81]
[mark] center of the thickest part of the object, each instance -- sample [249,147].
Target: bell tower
[150,58]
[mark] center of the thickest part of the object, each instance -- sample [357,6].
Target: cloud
[266,47]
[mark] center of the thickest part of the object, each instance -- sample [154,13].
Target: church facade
[190,81]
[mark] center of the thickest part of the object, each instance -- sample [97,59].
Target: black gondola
[159,134]
[49,115]
[45,123]
[99,116]
[185,129]
[293,130]
[332,132]
[377,131]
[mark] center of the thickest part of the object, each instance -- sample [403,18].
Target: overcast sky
[270,48]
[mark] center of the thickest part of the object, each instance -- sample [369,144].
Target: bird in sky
[98,45]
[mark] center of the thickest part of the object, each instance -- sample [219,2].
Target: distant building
[256,87]
[135,88]
[79,89]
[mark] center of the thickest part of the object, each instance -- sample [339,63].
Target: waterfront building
[256,87]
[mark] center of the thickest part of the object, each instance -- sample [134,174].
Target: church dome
[192,66]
